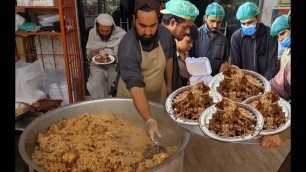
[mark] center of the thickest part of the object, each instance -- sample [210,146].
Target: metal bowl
[172,134]
[286,108]
[21,109]
[212,93]
[215,81]
[208,113]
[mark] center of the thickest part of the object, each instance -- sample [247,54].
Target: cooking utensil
[171,111]
[156,149]
[120,107]
[286,108]
[208,113]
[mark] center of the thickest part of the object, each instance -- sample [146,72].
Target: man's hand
[223,67]
[153,129]
[271,141]
[92,53]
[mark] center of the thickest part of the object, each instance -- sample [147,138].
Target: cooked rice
[94,142]
[19,111]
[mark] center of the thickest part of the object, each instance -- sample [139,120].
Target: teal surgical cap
[181,8]
[280,24]
[246,11]
[215,10]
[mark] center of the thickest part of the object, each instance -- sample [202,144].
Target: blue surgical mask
[286,42]
[248,30]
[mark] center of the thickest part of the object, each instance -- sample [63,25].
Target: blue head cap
[246,11]
[181,8]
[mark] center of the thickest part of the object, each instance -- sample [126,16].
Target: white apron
[152,69]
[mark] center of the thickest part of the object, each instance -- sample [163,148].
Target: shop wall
[273,8]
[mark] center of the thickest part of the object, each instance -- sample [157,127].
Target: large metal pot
[172,133]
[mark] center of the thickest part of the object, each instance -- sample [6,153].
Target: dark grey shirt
[215,49]
[257,53]
[130,58]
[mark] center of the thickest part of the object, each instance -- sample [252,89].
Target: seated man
[104,38]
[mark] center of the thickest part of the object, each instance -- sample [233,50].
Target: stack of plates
[56,86]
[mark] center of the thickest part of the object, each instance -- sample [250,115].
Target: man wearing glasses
[252,46]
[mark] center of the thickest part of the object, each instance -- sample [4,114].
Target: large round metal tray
[213,93]
[123,108]
[286,107]
[208,113]
[215,81]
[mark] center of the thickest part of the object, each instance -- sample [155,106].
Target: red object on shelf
[44,105]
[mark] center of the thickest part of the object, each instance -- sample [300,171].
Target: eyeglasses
[247,23]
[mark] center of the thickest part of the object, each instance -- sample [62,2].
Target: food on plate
[231,121]
[272,112]
[19,111]
[95,142]
[103,58]
[238,85]
[189,104]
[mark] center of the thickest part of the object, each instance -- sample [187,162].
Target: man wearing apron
[145,64]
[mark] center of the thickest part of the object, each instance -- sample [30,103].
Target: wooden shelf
[56,47]
[25,33]
[36,7]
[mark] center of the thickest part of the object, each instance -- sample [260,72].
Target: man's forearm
[141,102]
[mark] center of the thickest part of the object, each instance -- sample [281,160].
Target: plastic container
[199,68]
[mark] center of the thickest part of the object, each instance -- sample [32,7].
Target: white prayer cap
[105,20]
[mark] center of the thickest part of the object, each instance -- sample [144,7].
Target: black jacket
[257,53]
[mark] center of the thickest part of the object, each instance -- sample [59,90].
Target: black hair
[145,8]
[193,32]
[167,17]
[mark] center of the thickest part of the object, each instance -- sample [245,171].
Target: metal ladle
[156,149]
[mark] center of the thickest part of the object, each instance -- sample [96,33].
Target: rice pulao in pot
[172,134]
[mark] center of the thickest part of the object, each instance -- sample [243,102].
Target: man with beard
[104,38]
[145,65]
[178,17]
[211,42]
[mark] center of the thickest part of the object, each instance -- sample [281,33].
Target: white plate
[98,55]
[214,94]
[286,107]
[215,81]
[208,113]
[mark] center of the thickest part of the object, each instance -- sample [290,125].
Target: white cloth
[105,20]
[29,78]
[102,77]
[95,43]
[100,80]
